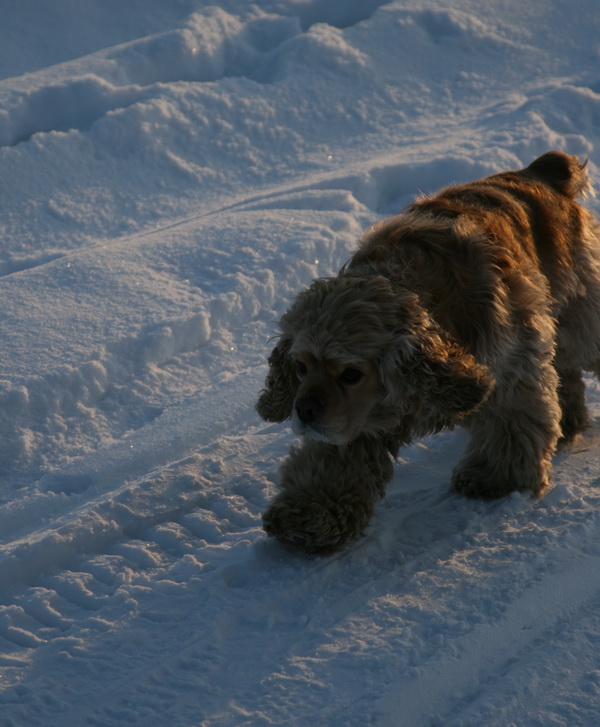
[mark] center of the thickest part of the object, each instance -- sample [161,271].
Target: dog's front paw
[316,527]
[470,486]
[478,482]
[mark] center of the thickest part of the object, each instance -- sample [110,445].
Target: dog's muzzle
[307,419]
[309,410]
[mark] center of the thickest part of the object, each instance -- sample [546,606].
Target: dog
[478,306]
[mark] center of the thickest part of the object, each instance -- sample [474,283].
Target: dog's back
[531,213]
[522,232]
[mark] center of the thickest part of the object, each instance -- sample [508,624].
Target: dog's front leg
[514,435]
[328,493]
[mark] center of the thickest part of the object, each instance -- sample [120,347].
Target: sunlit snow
[172,174]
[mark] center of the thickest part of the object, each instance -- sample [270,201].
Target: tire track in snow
[201,558]
[116,497]
[157,571]
[563,592]
[451,680]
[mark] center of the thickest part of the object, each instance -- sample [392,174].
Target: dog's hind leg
[574,414]
[328,493]
[578,348]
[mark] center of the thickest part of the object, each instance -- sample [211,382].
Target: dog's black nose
[308,409]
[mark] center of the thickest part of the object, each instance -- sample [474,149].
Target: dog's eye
[301,369]
[351,376]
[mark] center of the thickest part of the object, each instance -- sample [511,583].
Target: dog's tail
[564,173]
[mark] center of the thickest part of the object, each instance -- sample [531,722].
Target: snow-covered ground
[172,173]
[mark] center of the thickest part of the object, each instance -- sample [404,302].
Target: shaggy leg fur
[514,452]
[328,494]
[515,435]
[575,418]
[578,342]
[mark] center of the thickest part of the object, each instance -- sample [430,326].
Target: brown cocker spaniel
[479,307]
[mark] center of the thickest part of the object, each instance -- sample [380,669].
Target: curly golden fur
[478,306]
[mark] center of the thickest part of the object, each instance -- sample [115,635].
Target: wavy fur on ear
[277,398]
[435,379]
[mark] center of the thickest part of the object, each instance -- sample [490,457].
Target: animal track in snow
[71,105]
[212,45]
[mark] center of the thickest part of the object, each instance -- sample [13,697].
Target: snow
[173,173]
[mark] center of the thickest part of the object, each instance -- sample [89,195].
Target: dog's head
[356,357]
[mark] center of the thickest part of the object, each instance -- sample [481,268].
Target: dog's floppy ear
[277,398]
[448,377]
[437,380]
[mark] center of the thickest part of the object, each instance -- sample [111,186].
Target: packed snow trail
[410,617]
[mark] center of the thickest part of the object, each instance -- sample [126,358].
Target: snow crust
[173,173]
